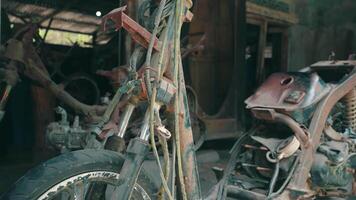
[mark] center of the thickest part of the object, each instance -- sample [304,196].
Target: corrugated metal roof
[64,20]
[71,16]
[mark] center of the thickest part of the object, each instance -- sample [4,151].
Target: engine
[65,137]
[334,163]
[258,168]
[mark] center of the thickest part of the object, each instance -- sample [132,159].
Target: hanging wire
[158,17]
[178,22]
[152,106]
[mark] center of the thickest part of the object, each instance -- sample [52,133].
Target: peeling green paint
[187,122]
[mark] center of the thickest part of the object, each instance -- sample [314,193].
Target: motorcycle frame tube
[190,167]
[124,119]
[298,184]
[145,128]
[135,155]
[296,128]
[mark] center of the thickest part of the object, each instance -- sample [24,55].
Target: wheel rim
[78,186]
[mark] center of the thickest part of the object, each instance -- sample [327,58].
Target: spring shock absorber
[350,102]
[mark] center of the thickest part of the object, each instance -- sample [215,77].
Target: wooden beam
[284,50]
[261,52]
[271,14]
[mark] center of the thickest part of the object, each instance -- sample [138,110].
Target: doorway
[266,52]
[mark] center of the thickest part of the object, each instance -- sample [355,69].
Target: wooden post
[261,52]
[239,80]
[284,50]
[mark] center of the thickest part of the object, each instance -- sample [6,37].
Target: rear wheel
[85,174]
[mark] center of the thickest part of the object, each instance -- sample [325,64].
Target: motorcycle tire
[65,171]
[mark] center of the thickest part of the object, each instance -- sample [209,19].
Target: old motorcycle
[302,147]
[152,85]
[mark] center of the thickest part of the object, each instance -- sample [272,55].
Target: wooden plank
[270,14]
[254,21]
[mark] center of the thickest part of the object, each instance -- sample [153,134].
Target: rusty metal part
[136,31]
[127,88]
[112,127]
[3,99]
[165,91]
[258,168]
[190,168]
[299,132]
[279,86]
[292,93]
[247,146]
[350,101]
[289,149]
[272,115]
[15,51]
[285,151]
[199,46]
[298,185]
[117,76]
[331,133]
[9,74]
[4,96]
[21,52]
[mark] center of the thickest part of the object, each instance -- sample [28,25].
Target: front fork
[136,153]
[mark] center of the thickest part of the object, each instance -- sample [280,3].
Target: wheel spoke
[79,191]
[89,185]
[65,195]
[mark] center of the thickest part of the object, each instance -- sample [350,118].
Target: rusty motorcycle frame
[303,106]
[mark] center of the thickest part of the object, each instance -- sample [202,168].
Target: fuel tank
[294,94]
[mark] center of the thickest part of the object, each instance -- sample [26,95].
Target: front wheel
[85,174]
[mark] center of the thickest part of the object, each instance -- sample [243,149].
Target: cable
[284,185]
[174,148]
[178,17]
[274,179]
[167,166]
[150,46]
[154,92]
[153,143]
